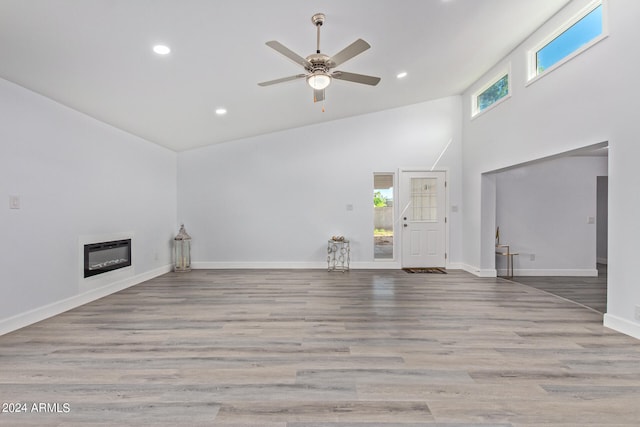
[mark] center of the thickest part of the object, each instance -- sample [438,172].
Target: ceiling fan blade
[355,48]
[282,80]
[279,47]
[318,95]
[356,78]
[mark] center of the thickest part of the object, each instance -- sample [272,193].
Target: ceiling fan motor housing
[319,62]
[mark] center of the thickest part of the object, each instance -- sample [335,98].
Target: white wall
[543,212]
[76,177]
[590,99]
[274,200]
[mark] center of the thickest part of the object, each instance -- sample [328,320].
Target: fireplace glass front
[106,256]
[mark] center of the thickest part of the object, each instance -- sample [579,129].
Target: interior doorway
[602,219]
[553,213]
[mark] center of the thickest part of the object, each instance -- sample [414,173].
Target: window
[424,199]
[573,38]
[383,216]
[494,93]
[497,89]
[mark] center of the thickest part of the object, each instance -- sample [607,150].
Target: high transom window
[495,90]
[578,34]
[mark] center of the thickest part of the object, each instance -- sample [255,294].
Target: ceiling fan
[319,67]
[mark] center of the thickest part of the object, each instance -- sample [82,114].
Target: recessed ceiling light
[402,75]
[221,111]
[161,49]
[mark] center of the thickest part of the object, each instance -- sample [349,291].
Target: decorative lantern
[182,251]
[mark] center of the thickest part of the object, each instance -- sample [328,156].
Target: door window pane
[424,199]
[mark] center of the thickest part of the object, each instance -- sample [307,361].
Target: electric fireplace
[106,256]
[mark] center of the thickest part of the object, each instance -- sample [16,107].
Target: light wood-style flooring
[310,348]
[588,291]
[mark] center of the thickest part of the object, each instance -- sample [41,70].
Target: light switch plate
[14,202]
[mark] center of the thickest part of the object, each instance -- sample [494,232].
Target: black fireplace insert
[106,256]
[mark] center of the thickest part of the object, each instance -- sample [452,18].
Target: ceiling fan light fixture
[319,80]
[161,49]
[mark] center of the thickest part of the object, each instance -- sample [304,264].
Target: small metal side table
[505,251]
[338,255]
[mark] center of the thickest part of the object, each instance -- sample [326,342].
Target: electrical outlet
[532,257]
[637,312]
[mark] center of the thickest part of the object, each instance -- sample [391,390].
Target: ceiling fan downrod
[318,20]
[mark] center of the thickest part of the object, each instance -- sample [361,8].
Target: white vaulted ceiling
[96,57]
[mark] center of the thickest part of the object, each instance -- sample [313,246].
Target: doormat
[426,270]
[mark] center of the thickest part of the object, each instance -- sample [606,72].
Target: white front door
[423,219]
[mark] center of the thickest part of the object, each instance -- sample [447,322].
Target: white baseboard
[476,271]
[373,265]
[623,326]
[587,272]
[376,265]
[41,313]
[239,265]
[454,266]
[357,265]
